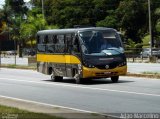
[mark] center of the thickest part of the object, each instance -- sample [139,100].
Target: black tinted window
[41,48]
[60,46]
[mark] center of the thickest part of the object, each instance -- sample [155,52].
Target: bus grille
[111,66]
[106,74]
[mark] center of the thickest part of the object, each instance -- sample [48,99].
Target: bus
[81,53]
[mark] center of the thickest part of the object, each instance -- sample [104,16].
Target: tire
[115,79]
[78,80]
[56,78]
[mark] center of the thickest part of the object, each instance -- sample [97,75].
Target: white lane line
[46,104]
[84,87]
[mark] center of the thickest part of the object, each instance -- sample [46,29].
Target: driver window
[76,47]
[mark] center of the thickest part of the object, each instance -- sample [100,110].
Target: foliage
[146,40]
[29,28]
[109,21]
[127,16]
[132,14]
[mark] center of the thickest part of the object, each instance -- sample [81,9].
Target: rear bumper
[98,73]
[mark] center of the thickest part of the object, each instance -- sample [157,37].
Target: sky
[2,2]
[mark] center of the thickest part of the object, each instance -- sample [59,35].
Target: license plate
[107,72]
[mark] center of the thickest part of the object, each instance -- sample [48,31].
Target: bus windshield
[97,41]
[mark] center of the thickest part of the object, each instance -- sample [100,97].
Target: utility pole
[0,54]
[43,8]
[150,24]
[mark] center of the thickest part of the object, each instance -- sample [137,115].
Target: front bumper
[99,73]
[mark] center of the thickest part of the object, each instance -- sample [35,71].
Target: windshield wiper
[116,49]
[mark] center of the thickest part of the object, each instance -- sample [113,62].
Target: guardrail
[143,55]
[132,54]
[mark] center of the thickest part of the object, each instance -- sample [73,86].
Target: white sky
[2,2]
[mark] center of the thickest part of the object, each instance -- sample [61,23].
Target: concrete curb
[151,76]
[49,109]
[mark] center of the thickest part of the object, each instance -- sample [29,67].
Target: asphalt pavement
[129,95]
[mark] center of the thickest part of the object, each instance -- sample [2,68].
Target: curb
[56,111]
[151,76]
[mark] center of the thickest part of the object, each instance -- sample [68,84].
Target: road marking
[46,104]
[58,106]
[85,87]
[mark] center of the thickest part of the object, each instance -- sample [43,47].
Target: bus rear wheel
[115,79]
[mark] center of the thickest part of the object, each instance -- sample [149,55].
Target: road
[129,95]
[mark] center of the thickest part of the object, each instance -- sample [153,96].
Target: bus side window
[38,39]
[60,46]
[54,38]
[46,39]
[76,47]
[50,47]
[41,47]
[68,43]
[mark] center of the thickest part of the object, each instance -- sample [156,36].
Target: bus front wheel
[115,79]
[78,80]
[56,78]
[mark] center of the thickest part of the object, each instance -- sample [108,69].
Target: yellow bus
[82,53]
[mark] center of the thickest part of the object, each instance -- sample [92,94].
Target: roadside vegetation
[18,66]
[151,75]
[148,72]
[130,17]
[15,113]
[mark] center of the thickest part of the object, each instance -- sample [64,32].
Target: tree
[13,14]
[132,17]
[3,25]
[29,28]
[157,28]
[67,13]
[32,25]
[109,21]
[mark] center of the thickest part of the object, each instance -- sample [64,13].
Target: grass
[151,75]
[148,72]
[18,66]
[15,113]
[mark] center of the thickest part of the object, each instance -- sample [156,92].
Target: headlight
[88,65]
[122,64]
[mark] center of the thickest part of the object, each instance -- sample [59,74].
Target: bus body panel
[63,65]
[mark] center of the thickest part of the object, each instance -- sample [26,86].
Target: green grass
[149,72]
[18,66]
[15,113]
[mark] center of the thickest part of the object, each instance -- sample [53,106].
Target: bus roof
[71,30]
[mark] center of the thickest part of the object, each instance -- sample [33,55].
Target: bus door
[68,47]
[75,55]
[72,54]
